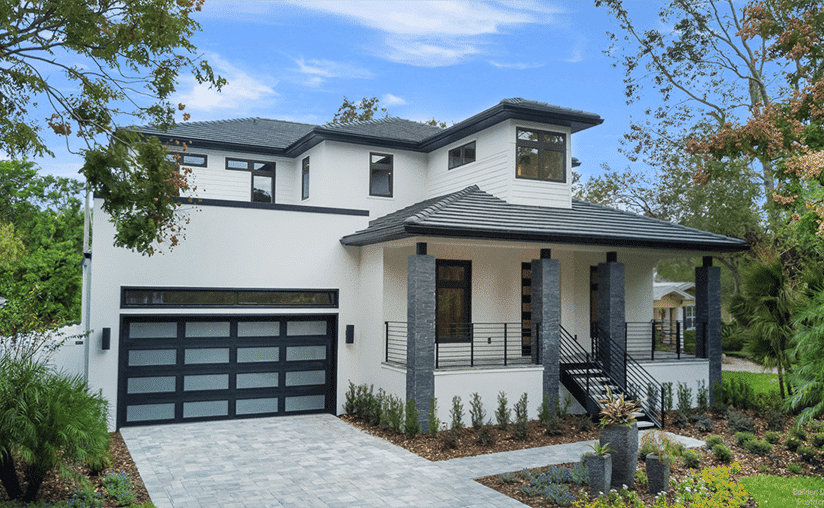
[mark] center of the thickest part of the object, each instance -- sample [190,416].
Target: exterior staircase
[587,375]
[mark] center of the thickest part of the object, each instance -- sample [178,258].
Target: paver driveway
[301,461]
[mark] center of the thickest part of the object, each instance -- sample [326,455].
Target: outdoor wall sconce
[106,339]
[350,334]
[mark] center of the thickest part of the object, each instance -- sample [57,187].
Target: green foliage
[818,440]
[736,392]
[520,431]
[807,453]
[711,487]
[739,422]
[798,433]
[684,398]
[411,425]
[691,459]
[742,437]
[503,413]
[349,404]
[434,423]
[456,414]
[396,413]
[550,416]
[792,443]
[667,396]
[582,423]
[702,396]
[485,435]
[508,478]
[85,496]
[772,437]
[450,438]
[351,111]
[713,440]
[642,480]
[49,420]
[477,414]
[722,453]
[808,376]
[794,468]
[757,447]
[732,338]
[119,487]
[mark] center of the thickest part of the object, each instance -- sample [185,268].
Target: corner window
[541,155]
[263,177]
[305,179]
[188,159]
[462,155]
[380,175]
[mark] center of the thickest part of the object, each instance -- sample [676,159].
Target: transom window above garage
[219,297]
[263,177]
[541,155]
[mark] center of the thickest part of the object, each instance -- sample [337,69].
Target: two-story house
[428,262]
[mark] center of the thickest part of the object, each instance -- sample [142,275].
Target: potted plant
[619,427]
[599,468]
[657,461]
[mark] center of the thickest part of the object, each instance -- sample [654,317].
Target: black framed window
[263,177]
[462,155]
[380,174]
[188,159]
[541,155]
[139,297]
[453,300]
[304,180]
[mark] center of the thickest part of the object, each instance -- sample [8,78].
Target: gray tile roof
[473,213]
[262,132]
[387,128]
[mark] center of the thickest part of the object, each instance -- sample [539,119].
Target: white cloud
[242,92]
[516,65]
[321,70]
[392,100]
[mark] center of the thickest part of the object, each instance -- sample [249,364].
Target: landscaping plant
[434,422]
[684,398]
[477,414]
[520,429]
[550,416]
[411,425]
[457,413]
[667,396]
[503,413]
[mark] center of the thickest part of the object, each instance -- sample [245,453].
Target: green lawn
[785,492]
[760,383]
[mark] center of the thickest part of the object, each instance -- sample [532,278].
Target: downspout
[87,267]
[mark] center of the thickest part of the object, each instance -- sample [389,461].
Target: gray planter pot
[624,440]
[599,469]
[658,473]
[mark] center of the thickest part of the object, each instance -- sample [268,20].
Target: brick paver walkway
[312,461]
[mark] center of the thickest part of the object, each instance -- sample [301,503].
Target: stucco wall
[685,371]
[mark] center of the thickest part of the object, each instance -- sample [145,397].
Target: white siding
[533,192]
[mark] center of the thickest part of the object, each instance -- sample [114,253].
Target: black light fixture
[106,339]
[350,334]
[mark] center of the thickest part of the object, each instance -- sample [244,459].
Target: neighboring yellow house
[673,302]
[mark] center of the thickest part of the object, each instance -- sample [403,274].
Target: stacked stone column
[708,318]
[546,320]
[612,315]
[420,332]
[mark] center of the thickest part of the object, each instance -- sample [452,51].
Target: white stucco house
[428,262]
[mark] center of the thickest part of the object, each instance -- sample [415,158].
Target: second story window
[462,155]
[541,155]
[188,159]
[380,175]
[263,177]
[304,193]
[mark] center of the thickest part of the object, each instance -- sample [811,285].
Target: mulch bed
[776,463]
[56,488]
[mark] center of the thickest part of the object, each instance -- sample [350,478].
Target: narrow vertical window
[305,179]
[380,175]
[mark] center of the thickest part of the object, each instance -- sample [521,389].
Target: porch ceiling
[473,213]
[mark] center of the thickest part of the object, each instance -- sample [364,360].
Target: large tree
[93,67]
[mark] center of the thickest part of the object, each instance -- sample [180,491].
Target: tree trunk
[8,476]
[781,380]
[35,474]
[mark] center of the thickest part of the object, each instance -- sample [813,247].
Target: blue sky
[445,60]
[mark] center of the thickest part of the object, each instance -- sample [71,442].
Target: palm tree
[764,308]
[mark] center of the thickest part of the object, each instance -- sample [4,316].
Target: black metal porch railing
[466,345]
[660,340]
[638,384]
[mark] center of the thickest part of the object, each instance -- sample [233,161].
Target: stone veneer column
[420,333]
[708,318]
[612,314]
[546,317]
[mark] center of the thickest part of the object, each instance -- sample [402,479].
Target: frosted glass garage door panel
[146,412]
[256,406]
[205,408]
[257,380]
[207,329]
[208,355]
[300,328]
[258,328]
[303,353]
[306,378]
[147,357]
[160,384]
[206,382]
[257,354]
[164,330]
[306,403]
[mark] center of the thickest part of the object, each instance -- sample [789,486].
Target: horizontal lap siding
[530,192]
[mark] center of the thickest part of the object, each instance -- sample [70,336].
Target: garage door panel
[219,368]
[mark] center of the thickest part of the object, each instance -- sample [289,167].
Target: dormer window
[541,155]
[462,155]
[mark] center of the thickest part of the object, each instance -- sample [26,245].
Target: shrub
[641,478]
[713,440]
[373,407]
[485,436]
[508,478]
[736,392]
[119,487]
[520,430]
[450,437]
[503,413]
[702,396]
[798,433]
[477,414]
[739,422]
[456,413]
[772,437]
[395,413]
[758,447]
[806,452]
[434,423]
[792,443]
[743,437]
[818,440]
[411,425]
[722,453]
[684,398]
[704,423]
[49,419]
[689,342]
[794,468]
[667,396]
[732,339]
[691,459]
[776,419]
[85,497]
[349,405]
[583,423]
[550,416]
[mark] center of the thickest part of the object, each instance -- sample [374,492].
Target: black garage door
[192,368]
